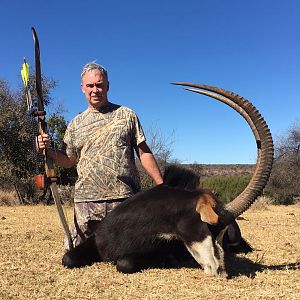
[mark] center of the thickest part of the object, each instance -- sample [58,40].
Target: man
[102,141]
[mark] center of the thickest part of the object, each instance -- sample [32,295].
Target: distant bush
[8,198]
[262,203]
[227,187]
[281,198]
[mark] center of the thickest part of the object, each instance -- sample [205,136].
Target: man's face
[95,86]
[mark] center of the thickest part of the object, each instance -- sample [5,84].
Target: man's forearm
[150,165]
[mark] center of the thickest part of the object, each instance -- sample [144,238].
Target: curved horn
[264,142]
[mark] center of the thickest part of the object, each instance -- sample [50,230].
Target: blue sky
[249,47]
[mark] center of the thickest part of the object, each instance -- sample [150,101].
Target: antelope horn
[264,142]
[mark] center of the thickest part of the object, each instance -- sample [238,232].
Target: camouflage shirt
[103,141]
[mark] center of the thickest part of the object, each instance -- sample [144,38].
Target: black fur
[130,235]
[181,178]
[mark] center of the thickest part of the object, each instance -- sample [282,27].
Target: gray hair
[94,66]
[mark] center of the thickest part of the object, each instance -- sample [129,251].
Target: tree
[18,158]
[285,176]
[288,146]
[161,147]
[57,126]
[15,137]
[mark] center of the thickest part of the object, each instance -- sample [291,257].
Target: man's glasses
[98,85]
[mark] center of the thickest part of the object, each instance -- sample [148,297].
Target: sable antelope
[142,228]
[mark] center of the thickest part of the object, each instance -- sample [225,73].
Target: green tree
[16,156]
[57,126]
[18,159]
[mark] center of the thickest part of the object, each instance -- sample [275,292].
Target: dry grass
[31,248]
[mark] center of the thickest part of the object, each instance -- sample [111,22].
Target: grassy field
[31,249]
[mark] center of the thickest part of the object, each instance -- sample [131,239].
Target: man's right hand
[60,158]
[42,142]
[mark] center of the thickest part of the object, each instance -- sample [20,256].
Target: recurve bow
[40,115]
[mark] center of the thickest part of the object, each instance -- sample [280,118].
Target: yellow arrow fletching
[25,73]
[23,77]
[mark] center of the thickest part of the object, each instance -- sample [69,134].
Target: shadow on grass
[237,266]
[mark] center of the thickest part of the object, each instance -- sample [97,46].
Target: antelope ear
[204,207]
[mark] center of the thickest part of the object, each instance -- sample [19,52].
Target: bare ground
[31,249]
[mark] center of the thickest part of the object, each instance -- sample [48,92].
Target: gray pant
[86,211]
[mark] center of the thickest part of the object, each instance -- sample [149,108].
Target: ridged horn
[264,142]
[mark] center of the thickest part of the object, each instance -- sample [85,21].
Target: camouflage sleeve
[138,133]
[69,142]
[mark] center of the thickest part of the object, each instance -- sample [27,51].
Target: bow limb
[42,127]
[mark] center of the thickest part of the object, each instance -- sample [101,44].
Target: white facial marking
[204,253]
